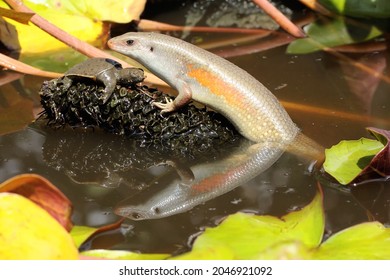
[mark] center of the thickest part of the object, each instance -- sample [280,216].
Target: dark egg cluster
[130,111]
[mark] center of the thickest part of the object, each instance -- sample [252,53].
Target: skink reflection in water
[209,180]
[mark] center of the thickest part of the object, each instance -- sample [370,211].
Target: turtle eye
[130,42]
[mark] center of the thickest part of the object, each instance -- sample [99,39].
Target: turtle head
[131,75]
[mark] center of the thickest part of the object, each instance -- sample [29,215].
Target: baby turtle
[104,70]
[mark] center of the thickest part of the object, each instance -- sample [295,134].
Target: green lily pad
[366,241]
[245,236]
[287,250]
[358,160]
[122,255]
[359,8]
[325,33]
[348,158]
[81,233]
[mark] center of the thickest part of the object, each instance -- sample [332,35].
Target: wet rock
[130,112]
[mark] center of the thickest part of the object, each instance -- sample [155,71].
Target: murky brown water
[97,171]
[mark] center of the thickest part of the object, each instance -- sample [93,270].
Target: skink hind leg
[167,107]
[182,99]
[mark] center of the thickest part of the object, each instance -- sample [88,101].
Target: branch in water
[280,18]
[18,66]
[150,25]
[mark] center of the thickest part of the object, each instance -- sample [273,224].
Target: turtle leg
[108,78]
[66,82]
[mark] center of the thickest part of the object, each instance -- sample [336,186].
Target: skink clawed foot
[167,107]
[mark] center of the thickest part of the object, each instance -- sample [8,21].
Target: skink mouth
[111,44]
[130,213]
[115,44]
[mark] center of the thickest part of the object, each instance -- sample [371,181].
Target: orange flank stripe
[209,183]
[215,85]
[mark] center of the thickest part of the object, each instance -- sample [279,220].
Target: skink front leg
[182,99]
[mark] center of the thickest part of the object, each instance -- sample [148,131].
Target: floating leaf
[332,32]
[287,250]
[123,255]
[348,158]
[29,232]
[363,241]
[245,236]
[295,236]
[355,160]
[43,193]
[366,241]
[81,234]
[359,8]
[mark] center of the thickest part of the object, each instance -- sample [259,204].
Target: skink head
[133,44]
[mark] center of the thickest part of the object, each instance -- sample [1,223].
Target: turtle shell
[92,67]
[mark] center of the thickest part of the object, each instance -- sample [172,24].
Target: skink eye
[129,42]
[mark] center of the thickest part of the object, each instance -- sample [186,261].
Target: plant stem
[280,18]
[18,66]
[150,25]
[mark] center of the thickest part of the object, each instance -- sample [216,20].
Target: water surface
[322,94]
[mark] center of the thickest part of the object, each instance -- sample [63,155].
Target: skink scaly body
[211,80]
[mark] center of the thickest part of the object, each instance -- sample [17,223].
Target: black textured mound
[130,111]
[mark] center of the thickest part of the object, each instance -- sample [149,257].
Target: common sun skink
[211,80]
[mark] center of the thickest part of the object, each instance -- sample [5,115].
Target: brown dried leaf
[380,163]
[42,192]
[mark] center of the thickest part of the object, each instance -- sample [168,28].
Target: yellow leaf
[34,40]
[29,232]
[122,11]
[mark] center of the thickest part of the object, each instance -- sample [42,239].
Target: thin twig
[18,66]
[150,25]
[321,111]
[280,18]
